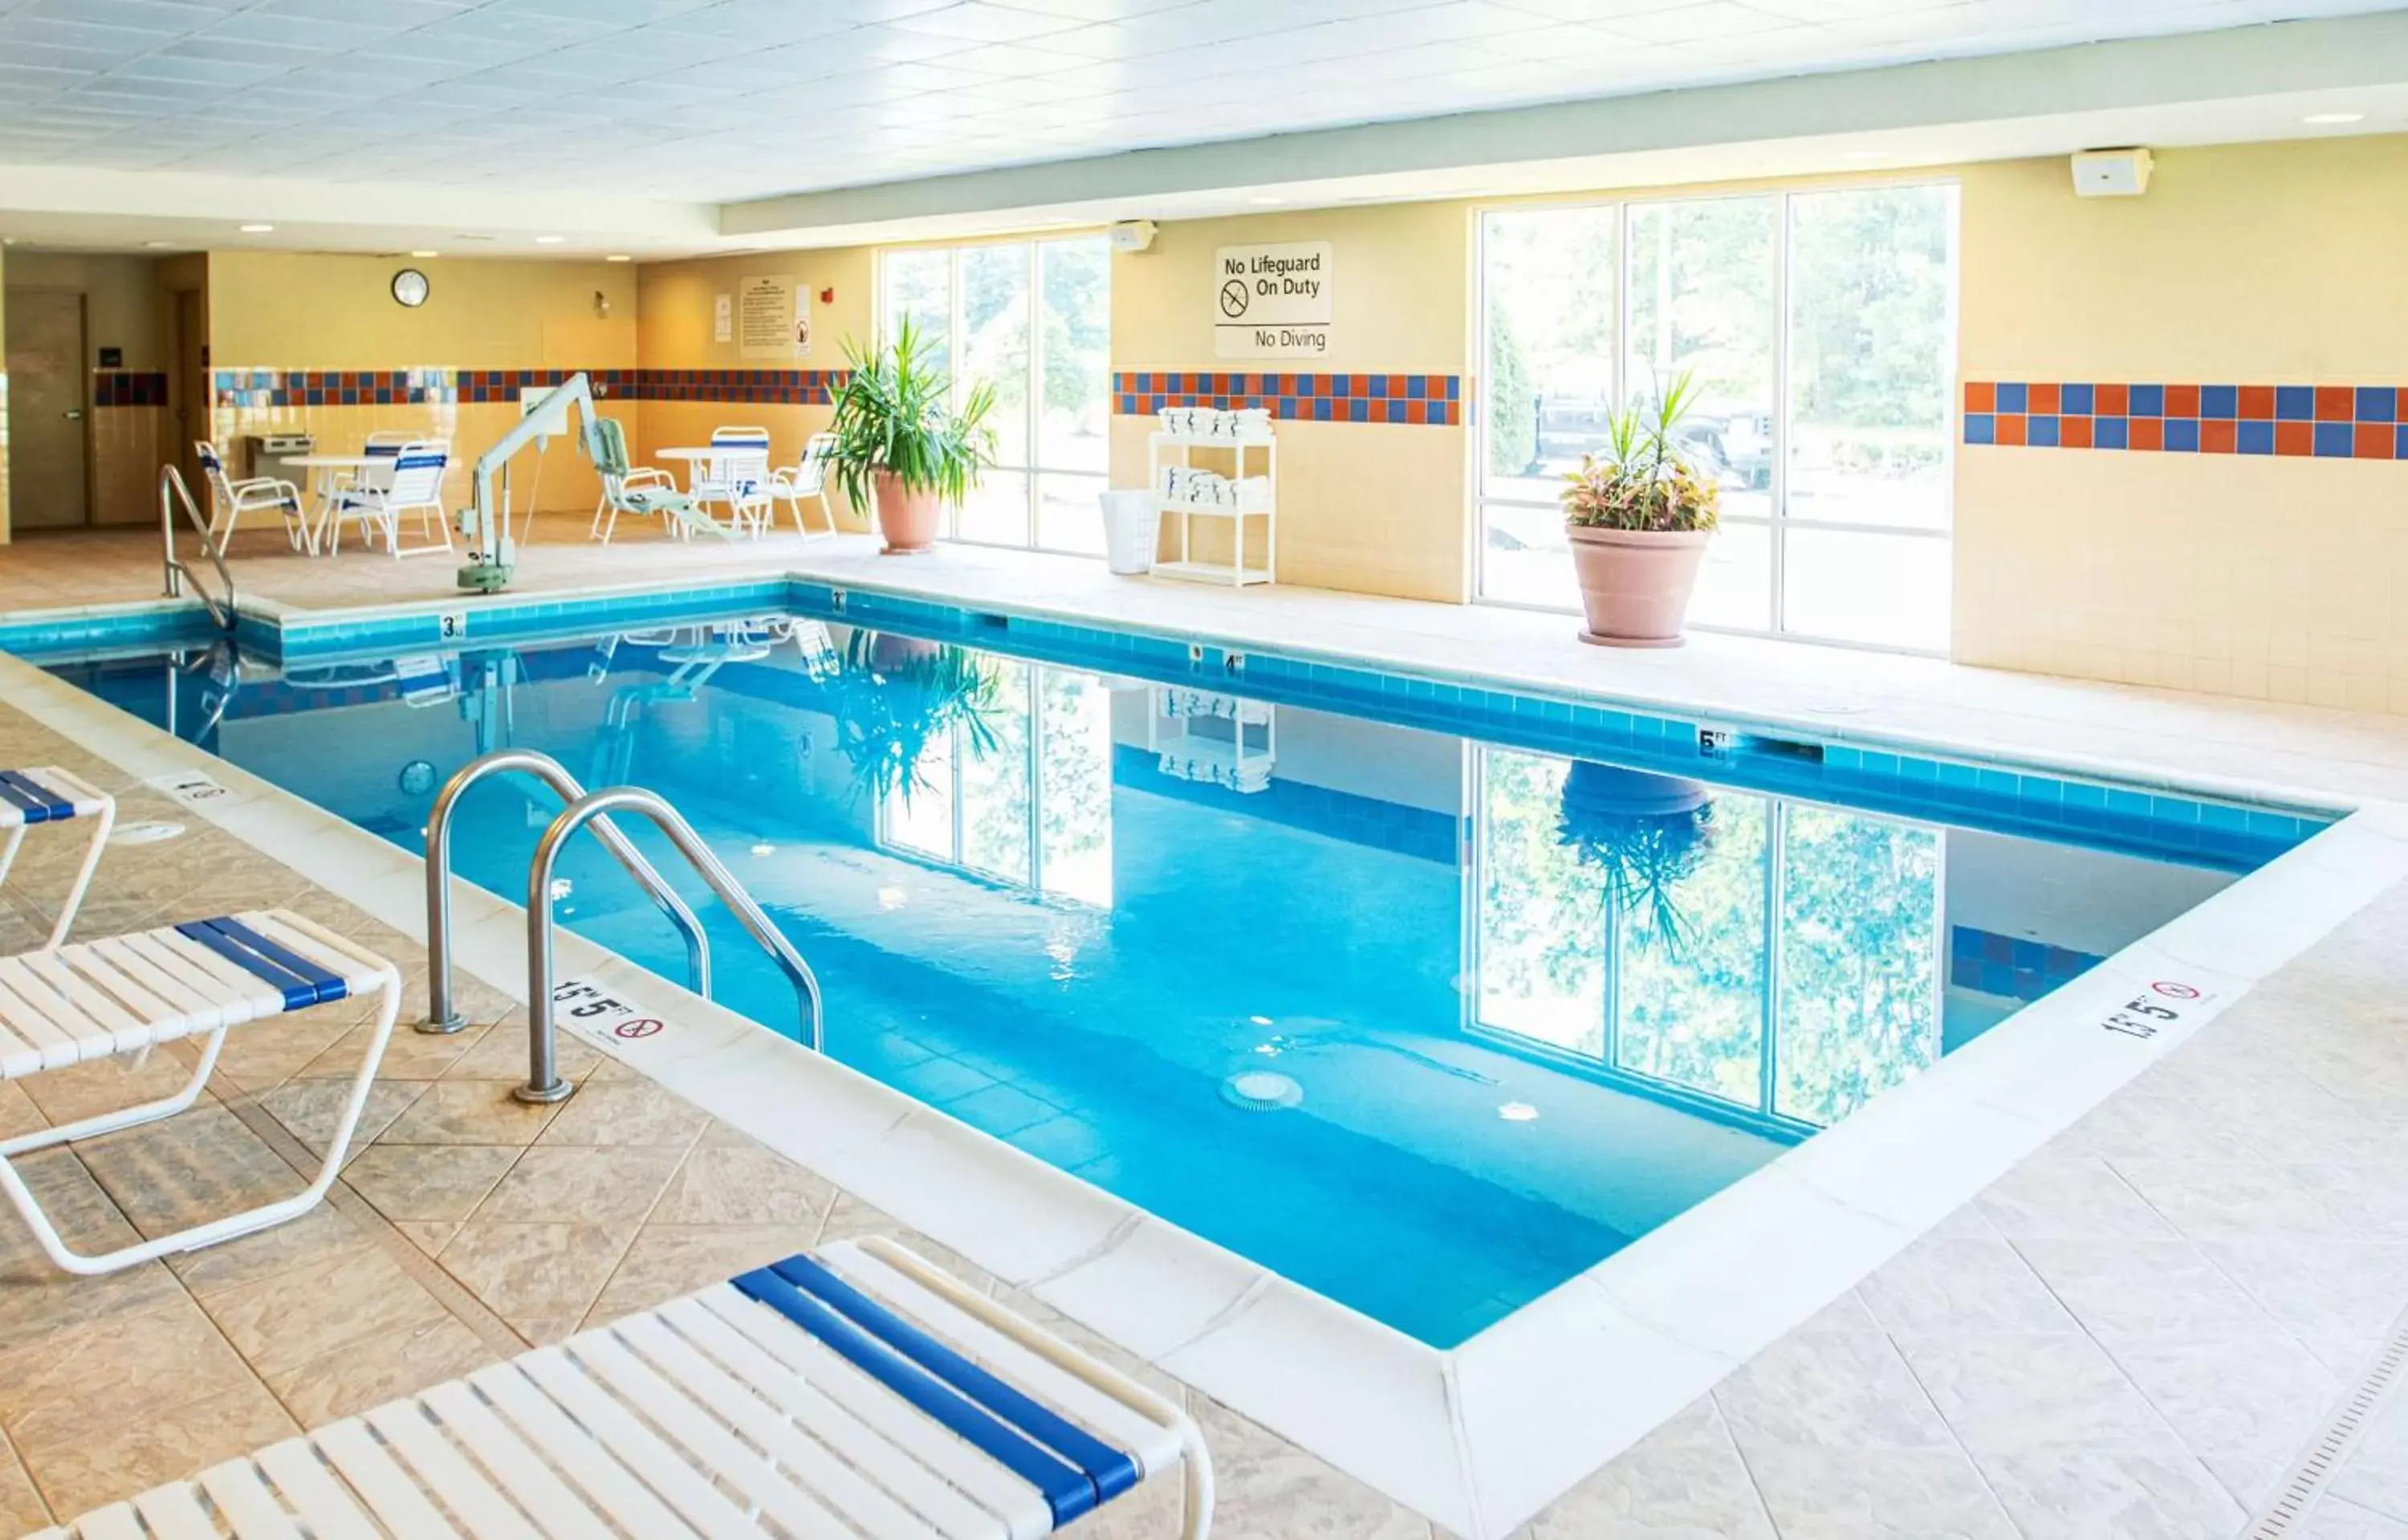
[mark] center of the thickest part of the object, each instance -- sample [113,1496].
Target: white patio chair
[48,795]
[125,994]
[857,1392]
[737,476]
[807,479]
[416,487]
[230,500]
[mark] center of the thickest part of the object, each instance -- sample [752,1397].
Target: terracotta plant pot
[1635,584]
[1616,791]
[909,520]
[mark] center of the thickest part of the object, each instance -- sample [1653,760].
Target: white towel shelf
[1255,457]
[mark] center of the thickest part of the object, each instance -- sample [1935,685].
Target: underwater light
[1518,1112]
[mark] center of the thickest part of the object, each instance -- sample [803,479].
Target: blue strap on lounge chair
[40,804]
[1112,1471]
[301,983]
[1068,1493]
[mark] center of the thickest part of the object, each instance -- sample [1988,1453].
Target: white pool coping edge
[1479,1438]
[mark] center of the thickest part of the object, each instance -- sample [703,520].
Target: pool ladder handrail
[441,1017]
[174,571]
[544,1084]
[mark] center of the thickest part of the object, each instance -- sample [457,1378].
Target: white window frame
[956,336]
[1779,521]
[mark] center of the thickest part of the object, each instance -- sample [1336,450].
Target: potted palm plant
[1639,516]
[901,445]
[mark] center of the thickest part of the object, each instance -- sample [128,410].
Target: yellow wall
[675,331]
[5,526]
[2277,578]
[1377,508]
[308,310]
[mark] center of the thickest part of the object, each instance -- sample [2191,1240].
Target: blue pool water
[1425,1021]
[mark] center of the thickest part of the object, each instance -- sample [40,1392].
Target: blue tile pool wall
[2229,835]
[2012,967]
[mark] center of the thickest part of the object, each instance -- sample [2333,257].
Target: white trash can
[1132,527]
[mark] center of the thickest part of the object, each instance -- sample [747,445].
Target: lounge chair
[48,795]
[857,1392]
[125,994]
[415,485]
[807,479]
[737,475]
[644,491]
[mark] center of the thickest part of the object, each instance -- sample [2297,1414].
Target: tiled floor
[2131,1334]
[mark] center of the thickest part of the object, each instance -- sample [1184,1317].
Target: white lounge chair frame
[737,475]
[230,500]
[126,994]
[48,795]
[807,479]
[773,1405]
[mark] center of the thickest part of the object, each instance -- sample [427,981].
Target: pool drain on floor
[1261,1090]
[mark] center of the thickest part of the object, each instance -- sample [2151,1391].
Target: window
[1027,800]
[1776,961]
[1820,328]
[1032,319]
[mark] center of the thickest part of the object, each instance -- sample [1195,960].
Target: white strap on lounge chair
[808,478]
[48,795]
[860,1393]
[124,994]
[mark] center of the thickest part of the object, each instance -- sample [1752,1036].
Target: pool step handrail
[544,1084]
[174,571]
[441,1017]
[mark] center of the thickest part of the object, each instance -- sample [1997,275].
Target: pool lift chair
[493,552]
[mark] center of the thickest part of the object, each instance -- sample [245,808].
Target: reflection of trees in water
[1857,929]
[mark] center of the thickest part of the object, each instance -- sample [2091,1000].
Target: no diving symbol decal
[1234,297]
[641,1026]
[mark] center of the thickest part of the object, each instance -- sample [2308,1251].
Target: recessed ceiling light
[550,240]
[156,245]
[256,229]
[618,256]
[2322,118]
[425,253]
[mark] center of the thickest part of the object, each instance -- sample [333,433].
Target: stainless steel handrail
[440,1016]
[543,1063]
[172,491]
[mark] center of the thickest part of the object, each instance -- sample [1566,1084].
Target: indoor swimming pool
[1426,1010]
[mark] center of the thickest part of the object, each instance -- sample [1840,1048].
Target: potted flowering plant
[901,443]
[1638,517]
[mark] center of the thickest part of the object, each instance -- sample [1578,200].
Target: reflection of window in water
[1211,738]
[1778,957]
[1033,806]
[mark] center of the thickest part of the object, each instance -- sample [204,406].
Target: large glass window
[1032,320]
[1820,330]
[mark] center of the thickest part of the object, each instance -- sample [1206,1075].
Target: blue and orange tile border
[2307,421]
[437,384]
[1421,399]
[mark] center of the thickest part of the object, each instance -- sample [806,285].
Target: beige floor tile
[636,1112]
[744,1185]
[667,1261]
[135,1453]
[105,1084]
[36,1299]
[79,1385]
[316,1238]
[427,1236]
[1878,1494]
[501,1054]
[17,1112]
[469,1111]
[283,1322]
[369,1372]
[574,1183]
[199,1165]
[22,1508]
[439,1182]
[311,1109]
[541,1278]
[1271,1490]
[1686,1479]
[408,1055]
[265,1054]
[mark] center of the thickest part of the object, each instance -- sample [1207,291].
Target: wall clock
[410,287]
